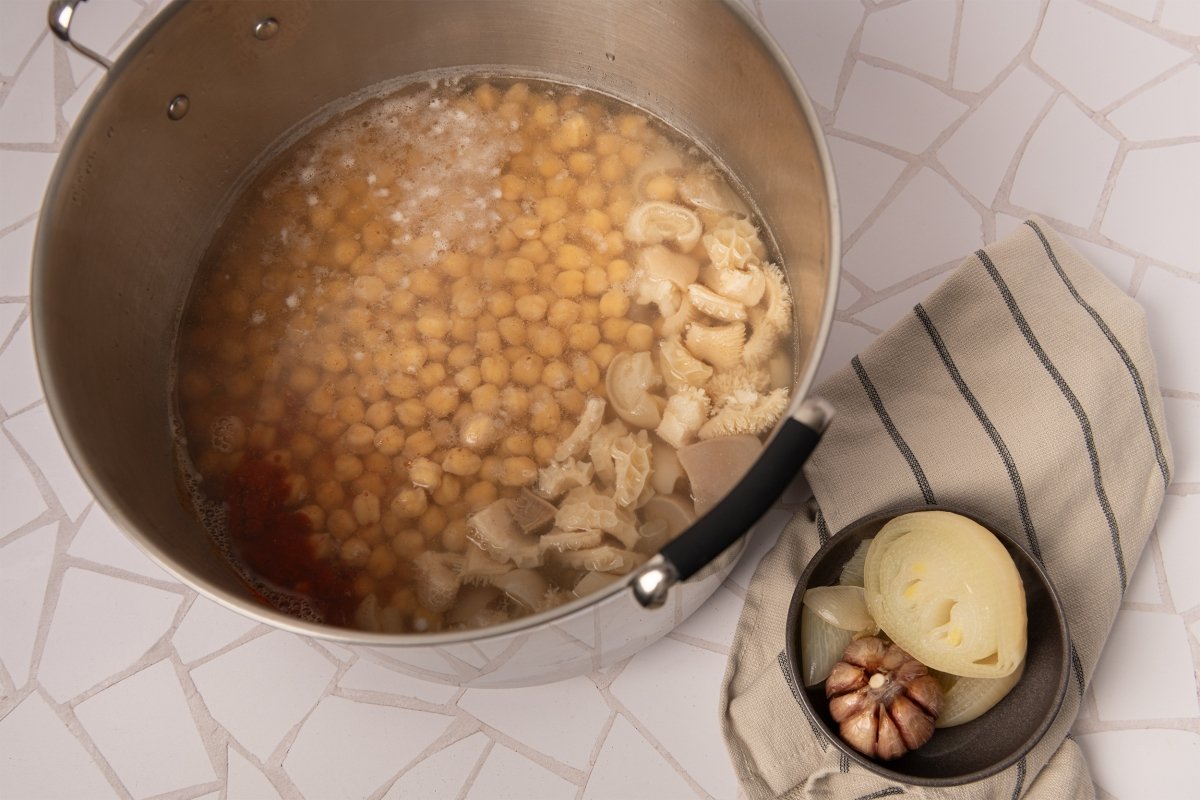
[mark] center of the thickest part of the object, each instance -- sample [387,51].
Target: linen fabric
[1023,390]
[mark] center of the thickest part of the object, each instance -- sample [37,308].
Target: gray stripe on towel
[1159,455]
[893,431]
[1085,424]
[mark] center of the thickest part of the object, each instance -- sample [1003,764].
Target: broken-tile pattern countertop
[949,121]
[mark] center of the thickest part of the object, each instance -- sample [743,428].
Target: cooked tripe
[439,361]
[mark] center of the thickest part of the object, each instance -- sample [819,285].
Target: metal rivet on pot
[265,29]
[177,109]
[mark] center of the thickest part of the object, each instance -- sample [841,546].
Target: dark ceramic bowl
[989,743]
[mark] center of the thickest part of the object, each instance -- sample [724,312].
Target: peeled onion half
[943,588]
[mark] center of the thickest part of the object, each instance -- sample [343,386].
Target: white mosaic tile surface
[948,121]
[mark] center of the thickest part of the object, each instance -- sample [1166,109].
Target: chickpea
[409,503]
[425,283]
[366,508]
[552,209]
[562,313]
[512,330]
[359,438]
[602,354]
[448,491]
[419,444]
[488,342]
[612,169]
[614,329]
[382,562]
[380,414]
[349,410]
[660,187]
[561,185]
[586,373]
[479,431]
[321,217]
[402,387]
[573,257]
[345,251]
[556,375]
[461,461]
[486,398]
[547,342]
[512,187]
[463,329]
[304,446]
[460,356]
[569,283]
[632,154]
[347,467]
[525,227]
[468,379]
[402,301]
[581,163]
[518,444]
[544,416]
[374,237]
[531,308]
[455,536]
[494,370]
[554,234]
[614,304]
[591,194]
[544,447]
[431,375]
[479,495]
[535,252]
[608,144]
[518,471]
[315,516]
[442,401]
[297,490]
[355,552]
[583,336]
[411,413]
[425,473]
[595,281]
[261,437]
[409,357]
[434,324]
[408,543]
[639,336]
[528,370]
[456,265]
[303,379]
[341,523]
[432,522]
[368,289]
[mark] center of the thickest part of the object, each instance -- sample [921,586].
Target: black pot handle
[745,504]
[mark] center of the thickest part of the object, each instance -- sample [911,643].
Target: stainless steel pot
[188,110]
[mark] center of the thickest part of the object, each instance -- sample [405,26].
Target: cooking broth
[473,349]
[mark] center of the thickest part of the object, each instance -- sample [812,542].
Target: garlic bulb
[884,701]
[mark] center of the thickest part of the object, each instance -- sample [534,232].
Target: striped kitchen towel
[1022,390]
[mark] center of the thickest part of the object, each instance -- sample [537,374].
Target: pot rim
[263,613]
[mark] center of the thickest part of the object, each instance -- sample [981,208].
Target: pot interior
[137,196]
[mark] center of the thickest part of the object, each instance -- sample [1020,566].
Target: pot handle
[61,13]
[757,491]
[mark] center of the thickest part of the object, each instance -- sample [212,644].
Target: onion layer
[943,588]
[964,699]
[843,607]
[821,646]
